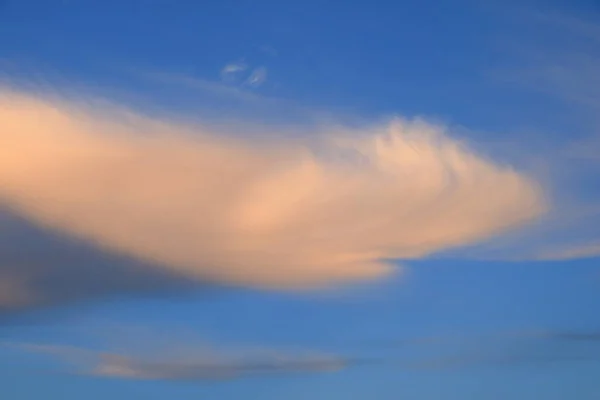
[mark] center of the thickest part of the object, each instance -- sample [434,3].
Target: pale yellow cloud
[220,208]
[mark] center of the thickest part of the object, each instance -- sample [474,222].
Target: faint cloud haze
[198,364]
[231,72]
[235,73]
[587,250]
[170,359]
[555,55]
[257,77]
[279,214]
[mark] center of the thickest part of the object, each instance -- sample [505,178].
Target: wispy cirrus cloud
[563,61]
[555,55]
[231,72]
[257,77]
[241,73]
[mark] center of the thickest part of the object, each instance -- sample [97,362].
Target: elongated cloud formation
[587,250]
[289,214]
[194,361]
[197,366]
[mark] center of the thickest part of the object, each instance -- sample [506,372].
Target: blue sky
[134,268]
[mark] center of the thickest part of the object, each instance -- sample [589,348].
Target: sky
[307,200]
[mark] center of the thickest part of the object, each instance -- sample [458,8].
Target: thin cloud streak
[191,361]
[560,60]
[231,72]
[580,251]
[257,77]
[197,366]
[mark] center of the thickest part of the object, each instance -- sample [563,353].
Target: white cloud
[281,215]
[231,72]
[257,77]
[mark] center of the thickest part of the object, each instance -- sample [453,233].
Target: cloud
[184,359]
[203,365]
[257,77]
[231,72]
[285,214]
[587,250]
[558,59]
[124,367]
[562,59]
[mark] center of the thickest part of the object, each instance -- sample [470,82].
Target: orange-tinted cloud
[289,214]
